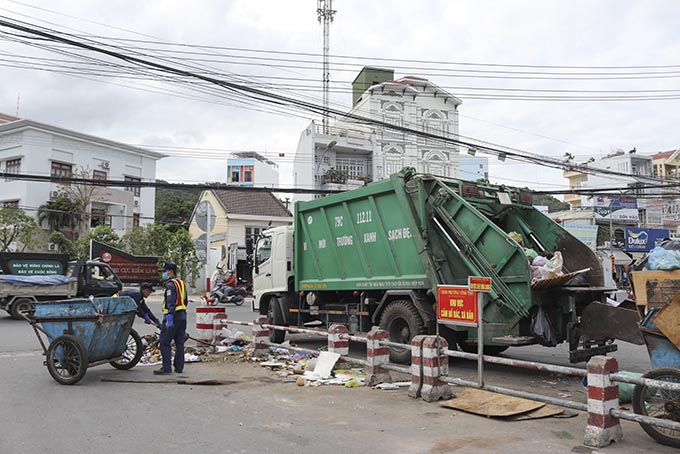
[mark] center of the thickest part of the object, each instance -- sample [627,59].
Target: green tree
[64,244]
[175,206]
[182,251]
[151,239]
[552,203]
[17,226]
[101,233]
[60,213]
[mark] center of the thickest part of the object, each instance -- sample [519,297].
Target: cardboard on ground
[486,403]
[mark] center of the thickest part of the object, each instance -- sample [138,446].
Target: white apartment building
[350,153]
[29,147]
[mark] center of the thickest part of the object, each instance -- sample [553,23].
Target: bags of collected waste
[542,329]
[531,254]
[542,268]
[517,237]
[663,259]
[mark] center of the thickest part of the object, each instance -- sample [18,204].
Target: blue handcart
[656,402]
[84,333]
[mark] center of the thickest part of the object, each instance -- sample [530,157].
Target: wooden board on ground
[544,412]
[668,320]
[486,403]
[655,288]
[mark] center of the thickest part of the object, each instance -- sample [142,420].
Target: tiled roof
[663,154]
[4,118]
[248,202]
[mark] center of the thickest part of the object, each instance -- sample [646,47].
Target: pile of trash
[308,369]
[152,353]
[541,267]
[231,341]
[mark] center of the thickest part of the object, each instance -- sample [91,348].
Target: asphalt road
[259,413]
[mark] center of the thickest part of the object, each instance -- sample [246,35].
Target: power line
[288,102]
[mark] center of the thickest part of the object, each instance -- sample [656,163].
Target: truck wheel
[491,350]
[21,307]
[275,317]
[403,322]
[67,360]
[134,349]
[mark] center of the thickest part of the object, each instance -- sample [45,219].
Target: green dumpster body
[415,232]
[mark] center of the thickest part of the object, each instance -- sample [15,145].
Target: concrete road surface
[260,414]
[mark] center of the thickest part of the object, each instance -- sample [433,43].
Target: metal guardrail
[532,365]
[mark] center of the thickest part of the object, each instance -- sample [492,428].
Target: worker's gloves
[169,320]
[147,319]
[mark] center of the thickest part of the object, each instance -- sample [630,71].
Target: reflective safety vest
[181,304]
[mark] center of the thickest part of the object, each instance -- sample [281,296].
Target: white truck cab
[273,267]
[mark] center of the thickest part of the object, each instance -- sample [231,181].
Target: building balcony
[344,138]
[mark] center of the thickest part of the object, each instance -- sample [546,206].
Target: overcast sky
[568,33]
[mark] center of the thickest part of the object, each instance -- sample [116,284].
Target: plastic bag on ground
[663,259]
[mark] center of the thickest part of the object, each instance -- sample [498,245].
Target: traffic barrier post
[337,342]
[603,397]
[260,337]
[377,355]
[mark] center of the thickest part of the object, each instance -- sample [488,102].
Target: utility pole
[325,13]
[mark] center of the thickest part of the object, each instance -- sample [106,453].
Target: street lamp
[330,145]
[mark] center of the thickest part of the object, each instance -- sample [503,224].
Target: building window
[13,166]
[133,189]
[251,237]
[61,170]
[98,216]
[99,175]
[248,174]
[135,220]
[235,175]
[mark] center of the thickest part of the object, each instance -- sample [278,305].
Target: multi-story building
[622,208]
[29,147]
[250,168]
[350,153]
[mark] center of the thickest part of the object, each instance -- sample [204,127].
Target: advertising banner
[618,209]
[643,240]
[587,234]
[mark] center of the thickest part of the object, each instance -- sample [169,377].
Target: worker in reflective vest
[174,320]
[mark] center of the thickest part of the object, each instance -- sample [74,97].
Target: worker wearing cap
[174,320]
[143,311]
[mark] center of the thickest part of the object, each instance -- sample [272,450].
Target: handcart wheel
[134,349]
[67,360]
[659,403]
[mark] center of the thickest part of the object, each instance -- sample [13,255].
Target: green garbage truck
[376,255]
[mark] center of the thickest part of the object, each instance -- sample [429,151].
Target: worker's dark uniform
[142,308]
[174,302]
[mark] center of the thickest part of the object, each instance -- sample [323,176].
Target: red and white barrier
[428,363]
[337,343]
[377,356]
[205,316]
[603,397]
[260,337]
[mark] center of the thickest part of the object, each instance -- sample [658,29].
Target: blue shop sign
[643,240]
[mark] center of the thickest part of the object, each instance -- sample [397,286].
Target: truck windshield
[264,250]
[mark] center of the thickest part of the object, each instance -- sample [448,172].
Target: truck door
[263,280]
[100,280]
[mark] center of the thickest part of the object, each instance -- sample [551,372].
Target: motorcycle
[222,294]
